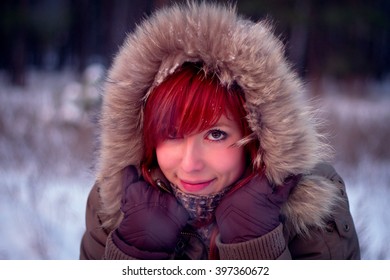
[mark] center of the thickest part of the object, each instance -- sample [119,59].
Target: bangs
[186,103]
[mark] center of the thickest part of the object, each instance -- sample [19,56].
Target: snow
[46,157]
[44,223]
[47,149]
[369,199]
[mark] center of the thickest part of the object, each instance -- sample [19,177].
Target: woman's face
[205,162]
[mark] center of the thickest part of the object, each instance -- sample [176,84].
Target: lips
[195,186]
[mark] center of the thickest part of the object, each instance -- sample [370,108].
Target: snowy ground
[46,155]
[46,152]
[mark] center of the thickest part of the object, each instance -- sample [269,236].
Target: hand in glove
[152,219]
[253,210]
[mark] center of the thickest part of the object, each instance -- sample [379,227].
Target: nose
[192,159]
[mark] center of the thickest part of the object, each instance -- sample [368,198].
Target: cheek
[166,157]
[230,162]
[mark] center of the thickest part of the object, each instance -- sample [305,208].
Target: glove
[253,210]
[152,219]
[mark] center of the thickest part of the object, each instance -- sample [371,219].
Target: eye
[216,135]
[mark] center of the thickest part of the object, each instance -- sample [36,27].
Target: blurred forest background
[53,58]
[347,39]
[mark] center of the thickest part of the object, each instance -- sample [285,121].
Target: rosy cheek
[166,156]
[233,161]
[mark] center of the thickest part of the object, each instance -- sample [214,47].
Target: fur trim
[238,51]
[311,204]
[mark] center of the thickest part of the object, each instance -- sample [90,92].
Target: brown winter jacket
[317,223]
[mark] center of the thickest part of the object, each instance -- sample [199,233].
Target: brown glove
[253,210]
[152,220]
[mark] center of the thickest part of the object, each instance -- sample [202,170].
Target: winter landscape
[47,145]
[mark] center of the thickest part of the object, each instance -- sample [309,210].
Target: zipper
[183,242]
[163,186]
[212,251]
[191,234]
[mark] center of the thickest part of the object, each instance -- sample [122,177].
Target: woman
[208,149]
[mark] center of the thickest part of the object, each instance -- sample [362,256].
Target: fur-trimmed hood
[238,51]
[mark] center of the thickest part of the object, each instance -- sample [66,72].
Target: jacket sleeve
[339,239]
[112,252]
[270,246]
[93,242]
[97,243]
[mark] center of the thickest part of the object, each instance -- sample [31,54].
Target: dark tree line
[52,34]
[341,38]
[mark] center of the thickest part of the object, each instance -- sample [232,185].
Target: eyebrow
[228,123]
[221,124]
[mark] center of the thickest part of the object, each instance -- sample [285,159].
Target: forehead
[226,121]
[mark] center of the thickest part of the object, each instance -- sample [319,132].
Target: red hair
[189,101]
